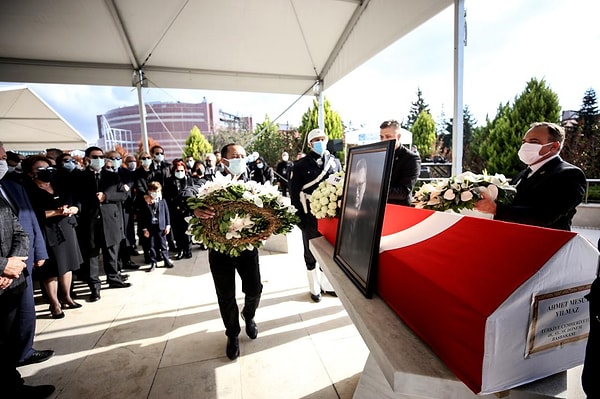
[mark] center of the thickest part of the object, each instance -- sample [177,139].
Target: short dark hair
[555,131]
[154,147]
[89,150]
[390,123]
[56,151]
[28,162]
[12,156]
[225,149]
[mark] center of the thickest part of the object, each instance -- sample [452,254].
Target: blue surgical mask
[319,147]
[237,166]
[96,163]
[69,165]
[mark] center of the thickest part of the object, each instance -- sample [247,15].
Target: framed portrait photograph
[366,184]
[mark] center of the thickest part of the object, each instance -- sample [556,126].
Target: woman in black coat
[177,188]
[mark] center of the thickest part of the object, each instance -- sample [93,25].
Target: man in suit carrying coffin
[549,190]
[101,194]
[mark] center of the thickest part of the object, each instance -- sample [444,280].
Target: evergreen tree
[268,142]
[196,145]
[588,114]
[415,110]
[424,135]
[334,129]
[505,134]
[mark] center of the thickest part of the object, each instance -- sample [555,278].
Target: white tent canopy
[274,46]
[28,123]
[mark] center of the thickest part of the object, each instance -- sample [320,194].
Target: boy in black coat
[154,222]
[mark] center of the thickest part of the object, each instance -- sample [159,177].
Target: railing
[587,190]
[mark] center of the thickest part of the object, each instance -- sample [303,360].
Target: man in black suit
[16,196]
[101,194]
[14,250]
[406,167]
[549,190]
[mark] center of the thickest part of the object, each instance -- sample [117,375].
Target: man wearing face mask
[223,268]
[284,168]
[102,195]
[549,190]
[160,170]
[211,167]
[306,175]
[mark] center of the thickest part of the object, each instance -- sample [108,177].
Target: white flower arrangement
[245,214]
[462,191]
[326,200]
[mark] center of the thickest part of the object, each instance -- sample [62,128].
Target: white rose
[324,200]
[331,212]
[332,205]
[332,197]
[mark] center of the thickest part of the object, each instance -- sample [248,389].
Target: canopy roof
[274,46]
[27,123]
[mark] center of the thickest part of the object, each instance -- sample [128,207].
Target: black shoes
[169,264]
[37,357]
[32,391]
[233,348]
[131,265]
[118,284]
[332,293]
[183,255]
[94,296]
[315,298]
[187,255]
[152,267]
[251,328]
[179,255]
[124,276]
[73,305]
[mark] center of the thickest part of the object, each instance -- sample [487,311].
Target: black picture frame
[366,185]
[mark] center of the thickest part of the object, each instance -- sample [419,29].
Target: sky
[508,43]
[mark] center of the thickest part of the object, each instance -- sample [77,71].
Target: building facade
[168,124]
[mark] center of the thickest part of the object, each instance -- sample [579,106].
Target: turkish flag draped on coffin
[464,285]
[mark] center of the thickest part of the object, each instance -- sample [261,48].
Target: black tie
[98,182]
[525,175]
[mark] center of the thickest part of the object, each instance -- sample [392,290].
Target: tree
[196,145]
[268,141]
[588,114]
[445,138]
[505,134]
[415,110]
[334,128]
[424,135]
[226,136]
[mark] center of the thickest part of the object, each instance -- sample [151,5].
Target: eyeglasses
[391,123]
[180,170]
[109,167]
[159,153]
[49,169]
[145,158]
[97,156]
[115,159]
[68,161]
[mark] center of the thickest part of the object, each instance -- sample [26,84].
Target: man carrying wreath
[224,266]
[305,177]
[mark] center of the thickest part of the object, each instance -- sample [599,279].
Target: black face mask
[45,175]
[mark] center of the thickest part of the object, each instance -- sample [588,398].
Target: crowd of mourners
[114,205]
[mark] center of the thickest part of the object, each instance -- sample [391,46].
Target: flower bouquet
[246,213]
[326,200]
[462,192]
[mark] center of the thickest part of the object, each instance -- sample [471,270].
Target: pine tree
[415,110]
[196,145]
[588,114]
[505,133]
[424,135]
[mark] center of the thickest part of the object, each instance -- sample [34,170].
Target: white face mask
[131,165]
[146,162]
[529,153]
[179,174]
[155,195]
[117,163]
[3,168]
[97,163]
[159,157]
[190,164]
[285,158]
[237,166]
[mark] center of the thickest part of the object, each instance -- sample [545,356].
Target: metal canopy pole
[139,83]
[321,111]
[457,121]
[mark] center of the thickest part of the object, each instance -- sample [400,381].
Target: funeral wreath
[326,200]
[246,213]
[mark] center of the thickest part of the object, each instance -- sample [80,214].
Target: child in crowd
[154,223]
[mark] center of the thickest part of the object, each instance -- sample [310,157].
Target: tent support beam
[457,121]
[142,109]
